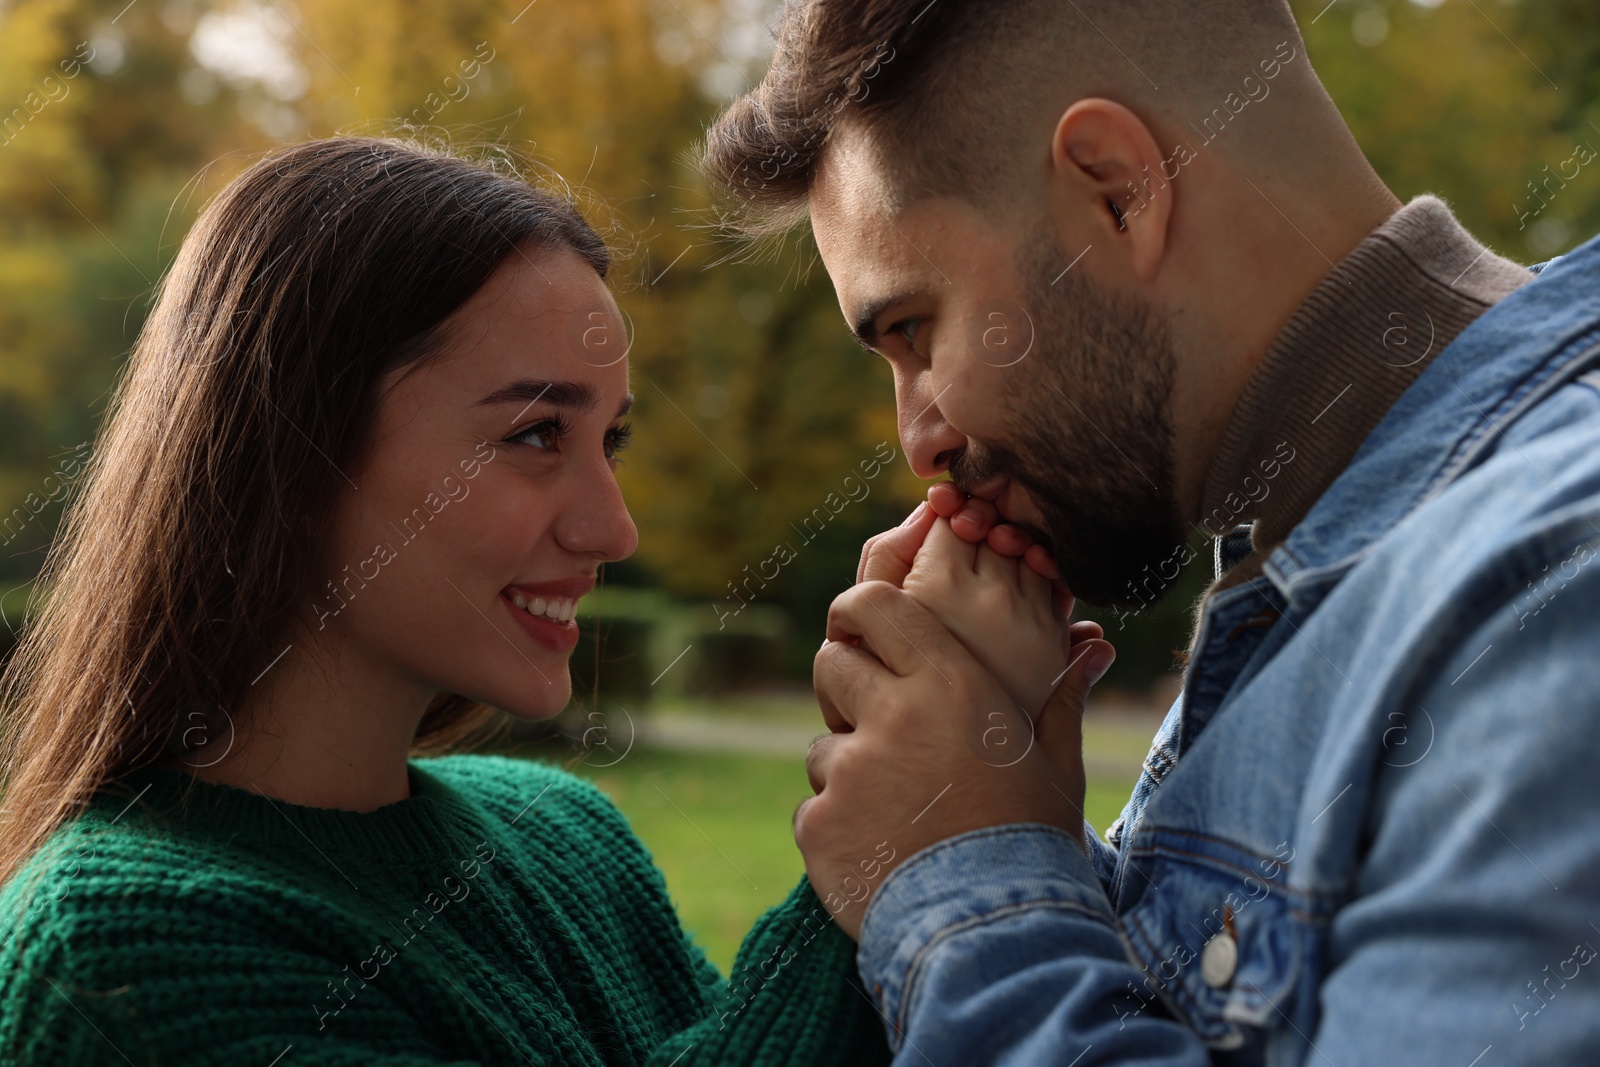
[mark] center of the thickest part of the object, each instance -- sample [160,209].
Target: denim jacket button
[1218,960]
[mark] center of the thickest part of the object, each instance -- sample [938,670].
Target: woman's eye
[543,435]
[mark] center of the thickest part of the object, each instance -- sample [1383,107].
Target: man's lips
[987,490]
[1006,506]
[1000,492]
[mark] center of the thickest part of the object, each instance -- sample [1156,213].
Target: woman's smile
[545,610]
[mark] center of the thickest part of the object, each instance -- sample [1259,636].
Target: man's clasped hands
[953,684]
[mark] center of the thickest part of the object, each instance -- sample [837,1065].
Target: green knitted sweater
[504,913]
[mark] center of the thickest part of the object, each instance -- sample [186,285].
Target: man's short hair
[952,92]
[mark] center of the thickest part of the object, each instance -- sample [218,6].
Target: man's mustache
[970,467]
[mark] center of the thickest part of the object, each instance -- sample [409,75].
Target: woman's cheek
[508,516]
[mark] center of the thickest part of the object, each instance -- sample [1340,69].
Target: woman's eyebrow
[578,395]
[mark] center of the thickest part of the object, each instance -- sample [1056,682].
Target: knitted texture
[504,913]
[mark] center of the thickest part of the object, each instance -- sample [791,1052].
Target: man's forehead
[850,196]
[851,204]
[852,169]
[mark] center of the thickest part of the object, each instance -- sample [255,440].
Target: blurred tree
[754,405]
[749,394]
[1565,36]
[95,148]
[1569,33]
[1469,100]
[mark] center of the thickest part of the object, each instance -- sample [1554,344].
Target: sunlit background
[119,120]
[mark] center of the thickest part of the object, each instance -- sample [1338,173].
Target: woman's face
[488,497]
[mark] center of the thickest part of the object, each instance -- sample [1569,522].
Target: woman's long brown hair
[247,399]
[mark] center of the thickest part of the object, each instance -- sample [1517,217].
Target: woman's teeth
[558,608]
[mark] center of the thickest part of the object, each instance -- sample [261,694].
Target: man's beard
[1092,443]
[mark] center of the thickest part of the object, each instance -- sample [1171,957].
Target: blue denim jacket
[1368,831]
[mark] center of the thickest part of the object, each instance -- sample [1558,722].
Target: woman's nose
[596,523]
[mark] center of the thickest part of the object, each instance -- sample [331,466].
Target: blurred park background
[118,120]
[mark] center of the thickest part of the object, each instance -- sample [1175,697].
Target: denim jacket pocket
[1218,932]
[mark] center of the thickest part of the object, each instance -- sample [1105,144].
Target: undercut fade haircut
[956,95]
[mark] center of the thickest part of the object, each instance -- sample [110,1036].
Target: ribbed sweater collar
[432,821]
[1357,342]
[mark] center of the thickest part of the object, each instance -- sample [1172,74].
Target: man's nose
[929,441]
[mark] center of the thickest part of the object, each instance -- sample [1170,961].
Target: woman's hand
[889,556]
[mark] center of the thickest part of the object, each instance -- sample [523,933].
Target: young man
[1135,277]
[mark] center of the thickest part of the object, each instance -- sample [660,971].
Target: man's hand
[925,745]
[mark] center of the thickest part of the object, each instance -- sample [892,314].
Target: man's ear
[1110,169]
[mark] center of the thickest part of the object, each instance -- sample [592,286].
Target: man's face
[1015,373]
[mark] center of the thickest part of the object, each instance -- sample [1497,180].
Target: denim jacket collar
[1447,419]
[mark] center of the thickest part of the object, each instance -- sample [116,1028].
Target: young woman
[358,473]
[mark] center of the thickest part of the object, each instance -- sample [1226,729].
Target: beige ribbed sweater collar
[1357,342]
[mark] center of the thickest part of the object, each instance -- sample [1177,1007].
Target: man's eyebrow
[866,325]
[625,407]
[578,395]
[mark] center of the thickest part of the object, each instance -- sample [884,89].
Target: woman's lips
[556,635]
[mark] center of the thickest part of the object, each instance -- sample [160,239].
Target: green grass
[718,826]
[1104,800]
